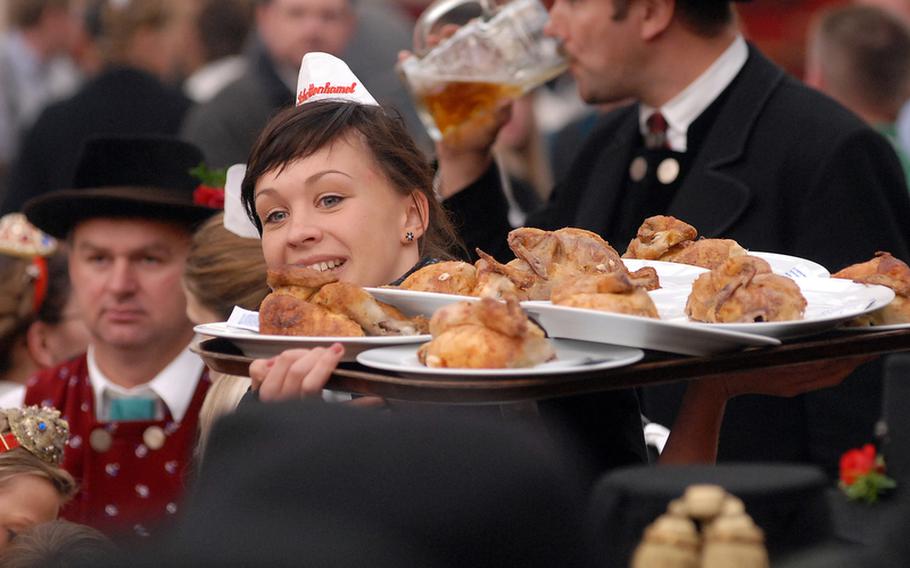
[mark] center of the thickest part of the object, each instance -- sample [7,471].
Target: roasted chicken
[611,292]
[486,334]
[667,238]
[743,290]
[307,302]
[451,277]
[888,271]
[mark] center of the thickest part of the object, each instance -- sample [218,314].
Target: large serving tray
[655,368]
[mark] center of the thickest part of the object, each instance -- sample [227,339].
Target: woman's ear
[417,216]
[36,343]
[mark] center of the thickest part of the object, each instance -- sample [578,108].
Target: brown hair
[26,14]
[865,54]
[17,295]
[121,21]
[20,461]
[304,130]
[224,270]
[223,27]
[59,544]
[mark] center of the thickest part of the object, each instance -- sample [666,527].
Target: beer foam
[325,77]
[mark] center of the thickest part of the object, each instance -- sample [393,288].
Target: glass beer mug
[493,58]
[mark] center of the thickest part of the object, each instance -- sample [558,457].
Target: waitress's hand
[786,381]
[296,373]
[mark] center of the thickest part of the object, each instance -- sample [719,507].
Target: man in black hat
[723,139]
[132,400]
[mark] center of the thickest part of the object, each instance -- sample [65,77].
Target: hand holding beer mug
[490,60]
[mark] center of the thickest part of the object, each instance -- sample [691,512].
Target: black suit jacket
[783,169]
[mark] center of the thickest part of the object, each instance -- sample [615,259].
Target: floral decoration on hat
[20,238]
[37,429]
[862,474]
[210,191]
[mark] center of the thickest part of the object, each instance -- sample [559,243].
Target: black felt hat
[142,177]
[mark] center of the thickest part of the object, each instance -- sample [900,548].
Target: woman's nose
[303,232]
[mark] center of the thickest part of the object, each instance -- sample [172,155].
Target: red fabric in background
[780,27]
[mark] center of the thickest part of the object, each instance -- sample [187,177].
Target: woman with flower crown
[33,486]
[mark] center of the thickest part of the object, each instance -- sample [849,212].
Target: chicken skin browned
[450,277]
[668,239]
[888,271]
[611,292]
[657,236]
[486,334]
[743,290]
[307,302]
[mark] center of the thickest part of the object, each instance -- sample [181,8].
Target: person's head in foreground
[59,544]
[33,487]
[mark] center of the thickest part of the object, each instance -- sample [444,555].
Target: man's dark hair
[704,17]
[223,27]
[299,132]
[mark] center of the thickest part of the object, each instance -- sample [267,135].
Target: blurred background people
[34,68]
[368,36]
[40,324]
[141,51]
[33,487]
[218,33]
[860,56]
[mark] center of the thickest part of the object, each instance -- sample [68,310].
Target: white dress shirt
[682,110]
[173,386]
[12,394]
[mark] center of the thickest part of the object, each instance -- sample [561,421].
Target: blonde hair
[224,270]
[20,461]
[222,398]
[59,543]
[120,21]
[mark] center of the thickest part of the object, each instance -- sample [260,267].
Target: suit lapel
[606,179]
[710,198]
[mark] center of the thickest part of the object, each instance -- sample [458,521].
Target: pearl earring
[409,236]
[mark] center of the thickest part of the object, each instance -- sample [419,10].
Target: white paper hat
[235,217]
[325,77]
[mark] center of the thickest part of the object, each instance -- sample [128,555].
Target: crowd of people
[110,253]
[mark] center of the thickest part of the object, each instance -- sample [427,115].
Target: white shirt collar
[174,385]
[682,110]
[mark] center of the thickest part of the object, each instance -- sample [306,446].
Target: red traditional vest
[131,474]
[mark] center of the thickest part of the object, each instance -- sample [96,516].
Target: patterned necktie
[656,136]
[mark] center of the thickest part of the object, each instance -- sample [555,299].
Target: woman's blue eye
[330,200]
[275,217]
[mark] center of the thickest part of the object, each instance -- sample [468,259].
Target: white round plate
[635,331]
[671,274]
[413,303]
[830,301]
[259,346]
[571,357]
[792,266]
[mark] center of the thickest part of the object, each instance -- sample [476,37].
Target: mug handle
[436,11]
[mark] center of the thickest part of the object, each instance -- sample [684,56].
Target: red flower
[208,196]
[862,474]
[857,462]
